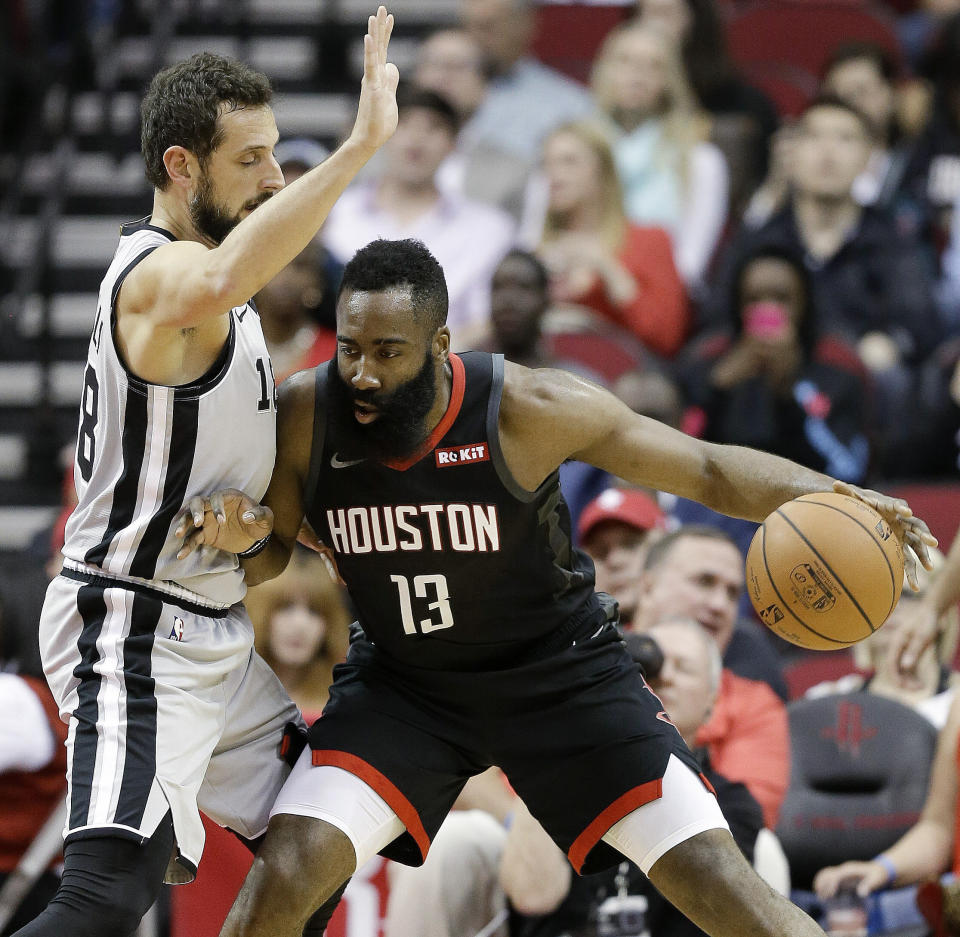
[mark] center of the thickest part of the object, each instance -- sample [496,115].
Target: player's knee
[306,859]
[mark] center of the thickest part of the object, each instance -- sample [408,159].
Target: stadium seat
[858,780]
[803,33]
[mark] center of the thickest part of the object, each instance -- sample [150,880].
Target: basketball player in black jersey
[433,479]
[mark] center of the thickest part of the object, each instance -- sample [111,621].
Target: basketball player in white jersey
[149,655]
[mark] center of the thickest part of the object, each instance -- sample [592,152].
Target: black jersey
[449,562]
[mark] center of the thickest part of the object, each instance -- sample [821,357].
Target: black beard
[211,219]
[399,427]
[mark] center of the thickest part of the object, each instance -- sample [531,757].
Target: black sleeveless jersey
[449,562]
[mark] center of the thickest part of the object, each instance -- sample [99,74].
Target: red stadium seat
[803,33]
[790,88]
[569,34]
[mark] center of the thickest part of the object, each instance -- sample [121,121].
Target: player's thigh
[248,767]
[588,744]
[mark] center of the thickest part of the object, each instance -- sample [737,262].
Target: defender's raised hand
[228,520]
[377,112]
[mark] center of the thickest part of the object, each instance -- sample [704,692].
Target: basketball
[824,571]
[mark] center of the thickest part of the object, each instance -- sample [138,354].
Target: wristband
[256,548]
[884,860]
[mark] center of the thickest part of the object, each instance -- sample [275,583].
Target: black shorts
[580,736]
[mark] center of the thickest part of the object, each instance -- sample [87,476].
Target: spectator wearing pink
[599,262]
[615,529]
[697,572]
[405,201]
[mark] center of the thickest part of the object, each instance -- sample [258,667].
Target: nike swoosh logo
[337,462]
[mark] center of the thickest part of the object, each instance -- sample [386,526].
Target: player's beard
[400,424]
[212,219]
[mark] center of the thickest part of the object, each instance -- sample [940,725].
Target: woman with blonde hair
[672,176]
[300,621]
[599,261]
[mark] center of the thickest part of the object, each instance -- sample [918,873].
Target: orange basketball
[824,571]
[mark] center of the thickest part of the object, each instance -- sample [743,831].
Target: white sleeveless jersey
[143,450]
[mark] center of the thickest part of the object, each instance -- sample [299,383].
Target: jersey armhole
[319,436]
[493,434]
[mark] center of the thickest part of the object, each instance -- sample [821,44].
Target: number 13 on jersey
[433,587]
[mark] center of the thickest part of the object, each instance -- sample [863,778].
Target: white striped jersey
[143,450]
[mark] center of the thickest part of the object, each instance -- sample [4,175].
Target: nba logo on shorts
[176,632]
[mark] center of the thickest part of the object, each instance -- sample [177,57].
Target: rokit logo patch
[461,455]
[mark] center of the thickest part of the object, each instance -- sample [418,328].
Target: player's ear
[181,166]
[441,344]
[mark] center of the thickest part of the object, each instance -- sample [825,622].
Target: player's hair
[660,549]
[383,264]
[183,104]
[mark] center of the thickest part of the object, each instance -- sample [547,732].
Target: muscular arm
[184,283]
[549,416]
[285,496]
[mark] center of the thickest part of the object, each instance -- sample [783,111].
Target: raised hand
[227,520]
[912,531]
[377,112]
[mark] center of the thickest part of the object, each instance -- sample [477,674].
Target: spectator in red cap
[615,529]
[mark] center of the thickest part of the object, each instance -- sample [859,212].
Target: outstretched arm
[183,283]
[549,416]
[229,520]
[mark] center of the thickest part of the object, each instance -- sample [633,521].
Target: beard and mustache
[212,219]
[399,427]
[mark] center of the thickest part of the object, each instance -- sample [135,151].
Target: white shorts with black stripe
[169,709]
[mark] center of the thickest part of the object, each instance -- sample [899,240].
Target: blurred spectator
[932,177]
[868,280]
[289,306]
[451,63]
[615,529]
[519,298]
[870,283]
[599,261]
[918,29]
[525,99]
[865,75]
[296,307]
[776,382]
[744,118]
[697,572]
[930,686]
[672,177]
[467,238]
[33,768]
[300,621]
[933,440]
